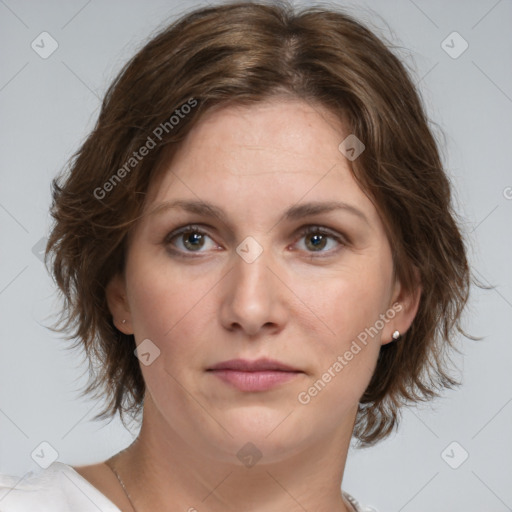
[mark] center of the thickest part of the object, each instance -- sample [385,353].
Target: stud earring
[396,335]
[124,321]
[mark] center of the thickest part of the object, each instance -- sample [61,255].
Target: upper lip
[245,365]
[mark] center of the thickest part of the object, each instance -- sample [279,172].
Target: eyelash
[307,230]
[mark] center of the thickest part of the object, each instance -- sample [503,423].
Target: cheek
[349,326]
[162,297]
[347,304]
[173,310]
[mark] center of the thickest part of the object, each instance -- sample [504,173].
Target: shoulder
[59,488]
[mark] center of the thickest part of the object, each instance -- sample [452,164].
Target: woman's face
[257,243]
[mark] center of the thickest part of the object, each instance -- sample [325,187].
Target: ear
[404,304]
[115,292]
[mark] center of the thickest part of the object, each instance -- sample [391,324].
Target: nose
[254,297]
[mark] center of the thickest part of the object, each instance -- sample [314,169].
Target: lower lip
[254,381]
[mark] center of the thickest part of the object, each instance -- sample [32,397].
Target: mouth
[258,375]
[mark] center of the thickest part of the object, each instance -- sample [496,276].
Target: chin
[259,432]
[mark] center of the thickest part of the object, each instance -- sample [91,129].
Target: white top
[59,488]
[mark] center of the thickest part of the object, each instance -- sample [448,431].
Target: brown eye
[316,241]
[193,240]
[189,239]
[320,240]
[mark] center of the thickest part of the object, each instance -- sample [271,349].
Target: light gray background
[48,106]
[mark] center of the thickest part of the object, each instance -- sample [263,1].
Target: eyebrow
[295,212]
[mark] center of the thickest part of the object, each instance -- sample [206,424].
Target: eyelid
[300,233]
[322,230]
[194,228]
[185,229]
[318,228]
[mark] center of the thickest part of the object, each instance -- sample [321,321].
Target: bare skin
[302,301]
[101,477]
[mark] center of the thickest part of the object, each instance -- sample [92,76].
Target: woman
[257,251]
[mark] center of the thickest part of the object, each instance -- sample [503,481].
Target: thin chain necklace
[109,464]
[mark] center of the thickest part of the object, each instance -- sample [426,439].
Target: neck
[160,469]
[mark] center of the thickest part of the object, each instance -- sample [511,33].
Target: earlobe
[115,292]
[405,304]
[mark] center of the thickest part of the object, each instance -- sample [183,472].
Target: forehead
[265,155]
[278,129]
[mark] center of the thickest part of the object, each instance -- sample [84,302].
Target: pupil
[192,239]
[318,241]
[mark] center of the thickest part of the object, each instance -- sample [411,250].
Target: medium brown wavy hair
[245,53]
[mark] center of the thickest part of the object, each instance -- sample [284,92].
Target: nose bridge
[252,298]
[252,277]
